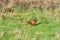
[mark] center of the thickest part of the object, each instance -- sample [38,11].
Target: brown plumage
[32,22]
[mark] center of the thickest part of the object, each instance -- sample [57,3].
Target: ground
[15,26]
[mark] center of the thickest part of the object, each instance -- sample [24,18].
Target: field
[15,26]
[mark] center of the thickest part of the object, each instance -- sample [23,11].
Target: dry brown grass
[30,4]
[2,34]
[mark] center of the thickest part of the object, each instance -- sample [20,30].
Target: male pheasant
[33,22]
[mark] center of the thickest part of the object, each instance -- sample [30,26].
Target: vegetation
[14,20]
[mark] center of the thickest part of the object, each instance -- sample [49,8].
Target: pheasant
[33,21]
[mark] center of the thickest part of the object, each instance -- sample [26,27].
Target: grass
[17,28]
